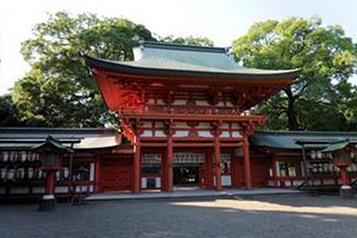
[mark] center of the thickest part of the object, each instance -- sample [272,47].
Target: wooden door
[116,174]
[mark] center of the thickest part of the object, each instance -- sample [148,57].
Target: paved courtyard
[260,216]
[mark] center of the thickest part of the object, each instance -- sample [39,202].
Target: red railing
[189,110]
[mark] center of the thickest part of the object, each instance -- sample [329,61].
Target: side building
[100,162]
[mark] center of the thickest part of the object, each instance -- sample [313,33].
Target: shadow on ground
[262,216]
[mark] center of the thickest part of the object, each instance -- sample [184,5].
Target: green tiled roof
[164,57]
[17,138]
[336,146]
[294,139]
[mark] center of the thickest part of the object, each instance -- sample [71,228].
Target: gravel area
[260,216]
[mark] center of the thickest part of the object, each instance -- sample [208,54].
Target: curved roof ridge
[177,46]
[160,69]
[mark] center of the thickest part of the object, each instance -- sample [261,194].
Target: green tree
[7,112]
[190,40]
[326,57]
[58,91]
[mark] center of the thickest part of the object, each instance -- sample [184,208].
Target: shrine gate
[185,110]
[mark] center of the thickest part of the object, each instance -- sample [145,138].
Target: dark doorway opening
[186,176]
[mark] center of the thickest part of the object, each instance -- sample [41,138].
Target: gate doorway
[186,176]
[187,172]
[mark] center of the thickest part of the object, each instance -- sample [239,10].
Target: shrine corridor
[261,216]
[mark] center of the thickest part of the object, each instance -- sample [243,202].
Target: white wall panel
[226,180]
[181,133]
[205,134]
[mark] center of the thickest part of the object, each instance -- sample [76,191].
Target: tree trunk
[293,124]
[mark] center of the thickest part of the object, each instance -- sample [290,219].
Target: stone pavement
[187,193]
[270,216]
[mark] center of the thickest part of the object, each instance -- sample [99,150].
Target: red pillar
[344,175]
[168,165]
[210,170]
[217,160]
[97,175]
[50,182]
[163,172]
[136,166]
[247,169]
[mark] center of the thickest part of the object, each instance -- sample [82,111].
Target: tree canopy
[58,90]
[7,112]
[189,40]
[321,97]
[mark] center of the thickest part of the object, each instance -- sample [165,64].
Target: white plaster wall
[158,182]
[202,103]
[160,133]
[205,134]
[143,182]
[147,133]
[147,123]
[160,102]
[204,125]
[180,124]
[151,101]
[226,180]
[159,124]
[229,104]
[235,125]
[224,125]
[220,104]
[91,172]
[225,134]
[179,102]
[236,134]
[181,133]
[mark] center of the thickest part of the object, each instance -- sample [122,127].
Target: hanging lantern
[23,156]
[65,173]
[3,173]
[313,154]
[329,155]
[30,173]
[11,174]
[5,156]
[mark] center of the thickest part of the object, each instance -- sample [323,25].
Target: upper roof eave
[118,67]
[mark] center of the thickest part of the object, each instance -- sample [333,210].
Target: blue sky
[220,20]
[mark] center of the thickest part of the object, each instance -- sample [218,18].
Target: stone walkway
[270,216]
[183,193]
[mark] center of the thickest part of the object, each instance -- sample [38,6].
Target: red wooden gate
[116,174]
